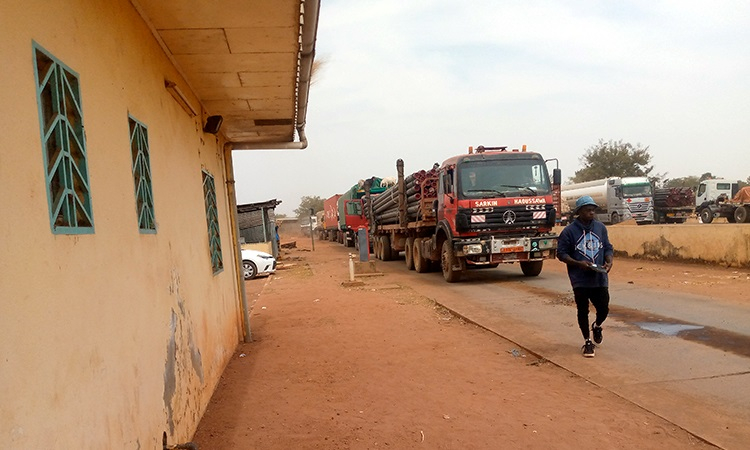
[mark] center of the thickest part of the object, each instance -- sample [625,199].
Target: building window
[144,198]
[63,145]
[212,220]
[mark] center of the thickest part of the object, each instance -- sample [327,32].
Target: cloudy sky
[423,80]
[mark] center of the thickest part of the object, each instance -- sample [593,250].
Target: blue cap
[584,201]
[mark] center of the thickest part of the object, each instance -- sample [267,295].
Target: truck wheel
[421,265]
[531,268]
[447,263]
[615,218]
[409,253]
[742,214]
[385,249]
[706,215]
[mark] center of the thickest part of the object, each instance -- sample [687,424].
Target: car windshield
[503,178]
[636,190]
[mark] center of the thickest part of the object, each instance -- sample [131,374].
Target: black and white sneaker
[597,331]
[588,349]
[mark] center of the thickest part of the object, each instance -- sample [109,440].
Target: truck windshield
[636,190]
[503,178]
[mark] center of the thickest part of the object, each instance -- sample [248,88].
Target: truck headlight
[472,249]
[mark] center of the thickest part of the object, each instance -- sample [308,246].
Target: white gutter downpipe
[309,14]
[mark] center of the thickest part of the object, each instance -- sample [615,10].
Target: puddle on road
[728,341]
[670,329]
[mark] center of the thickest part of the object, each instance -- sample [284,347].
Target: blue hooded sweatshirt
[585,243]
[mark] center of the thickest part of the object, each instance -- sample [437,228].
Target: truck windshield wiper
[532,191]
[484,191]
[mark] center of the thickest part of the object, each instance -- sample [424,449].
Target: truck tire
[706,215]
[531,268]
[448,263]
[421,264]
[386,252]
[614,218]
[742,214]
[409,253]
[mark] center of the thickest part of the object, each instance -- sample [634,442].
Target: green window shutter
[212,221]
[63,145]
[144,197]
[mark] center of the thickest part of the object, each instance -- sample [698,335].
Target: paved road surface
[698,379]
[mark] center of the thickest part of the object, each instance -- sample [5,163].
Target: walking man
[584,246]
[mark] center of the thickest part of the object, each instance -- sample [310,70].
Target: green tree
[614,159]
[307,202]
[691,182]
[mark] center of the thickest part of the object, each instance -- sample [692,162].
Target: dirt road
[379,366]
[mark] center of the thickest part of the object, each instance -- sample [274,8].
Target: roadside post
[363,244]
[312,239]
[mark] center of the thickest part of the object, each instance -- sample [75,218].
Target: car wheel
[409,253]
[447,262]
[249,270]
[531,268]
[742,214]
[706,215]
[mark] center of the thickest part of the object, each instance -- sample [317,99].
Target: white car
[256,263]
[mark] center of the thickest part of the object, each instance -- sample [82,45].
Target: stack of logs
[421,189]
[674,197]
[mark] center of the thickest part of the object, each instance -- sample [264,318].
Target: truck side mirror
[556,176]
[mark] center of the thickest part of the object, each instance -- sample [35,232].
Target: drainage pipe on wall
[239,275]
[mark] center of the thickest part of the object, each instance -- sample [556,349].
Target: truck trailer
[328,227]
[673,205]
[619,198]
[476,210]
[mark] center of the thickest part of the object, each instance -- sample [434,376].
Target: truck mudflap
[494,250]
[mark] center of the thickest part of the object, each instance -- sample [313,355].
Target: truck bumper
[507,250]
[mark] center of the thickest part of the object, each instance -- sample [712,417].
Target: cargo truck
[329,225]
[351,216]
[673,205]
[722,198]
[619,198]
[476,210]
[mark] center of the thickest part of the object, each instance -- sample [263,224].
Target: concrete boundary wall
[725,244]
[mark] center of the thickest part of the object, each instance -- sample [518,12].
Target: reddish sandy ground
[334,367]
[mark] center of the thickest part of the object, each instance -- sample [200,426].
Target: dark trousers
[599,297]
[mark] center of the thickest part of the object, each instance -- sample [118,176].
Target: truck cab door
[446,199]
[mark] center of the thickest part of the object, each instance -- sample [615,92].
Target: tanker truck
[618,198]
[476,210]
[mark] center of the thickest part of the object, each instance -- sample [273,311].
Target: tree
[691,182]
[307,202]
[614,159]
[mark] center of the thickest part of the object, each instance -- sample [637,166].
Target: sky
[422,80]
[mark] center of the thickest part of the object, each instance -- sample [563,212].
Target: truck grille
[505,218]
[638,207]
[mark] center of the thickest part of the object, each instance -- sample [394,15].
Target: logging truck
[476,210]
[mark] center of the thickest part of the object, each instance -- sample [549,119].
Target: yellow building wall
[107,340]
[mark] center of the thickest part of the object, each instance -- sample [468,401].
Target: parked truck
[351,216]
[328,227]
[619,198]
[722,198]
[476,210]
[673,205]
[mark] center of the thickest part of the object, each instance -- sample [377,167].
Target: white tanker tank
[618,198]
